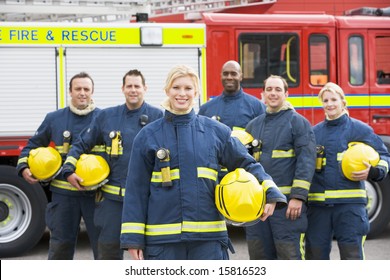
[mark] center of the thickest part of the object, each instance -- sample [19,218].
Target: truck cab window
[319,59]
[382,60]
[261,55]
[356,61]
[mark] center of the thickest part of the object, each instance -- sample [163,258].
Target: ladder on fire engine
[114,10]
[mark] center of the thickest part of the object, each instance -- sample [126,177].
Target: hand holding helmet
[93,170]
[357,160]
[240,198]
[44,163]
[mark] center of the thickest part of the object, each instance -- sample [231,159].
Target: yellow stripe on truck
[68,35]
[125,35]
[61,77]
[184,36]
[353,101]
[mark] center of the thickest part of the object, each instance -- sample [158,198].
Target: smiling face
[231,77]
[134,91]
[81,92]
[333,104]
[182,93]
[274,93]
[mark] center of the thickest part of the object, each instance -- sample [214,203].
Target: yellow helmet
[93,169]
[244,137]
[240,198]
[355,155]
[44,163]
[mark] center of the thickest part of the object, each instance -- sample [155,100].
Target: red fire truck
[38,60]
[310,50]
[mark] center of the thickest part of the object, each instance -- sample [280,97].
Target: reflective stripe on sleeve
[22,160]
[71,160]
[301,184]
[63,185]
[384,164]
[133,228]
[113,190]
[268,184]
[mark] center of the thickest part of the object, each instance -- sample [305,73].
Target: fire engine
[37,62]
[308,51]
[38,59]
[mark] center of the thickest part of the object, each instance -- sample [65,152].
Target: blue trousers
[277,237]
[63,216]
[190,250]
[347,223]
[108,220]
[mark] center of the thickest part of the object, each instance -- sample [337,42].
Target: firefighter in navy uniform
[68,204]
[233,107]
[288,154]
[337,201]
[115,128]
[169,209]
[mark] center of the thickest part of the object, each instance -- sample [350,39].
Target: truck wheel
[378,206]
[22,213]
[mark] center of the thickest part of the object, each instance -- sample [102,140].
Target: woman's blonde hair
[179,71]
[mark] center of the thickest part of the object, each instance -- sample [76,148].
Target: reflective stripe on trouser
[191,250]
[348,223]
[277,237]
[63,216]
[108,218]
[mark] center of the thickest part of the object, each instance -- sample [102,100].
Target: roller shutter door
[107,67]
[28,88]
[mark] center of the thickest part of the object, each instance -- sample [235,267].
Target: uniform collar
[342,119]
[82,112]
[179,119]
[237,94]
[134,111]
[286,106]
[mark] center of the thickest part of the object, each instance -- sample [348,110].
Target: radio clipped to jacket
[163,155]
[256,149]
[116,143]
[320,157]
[66,143]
